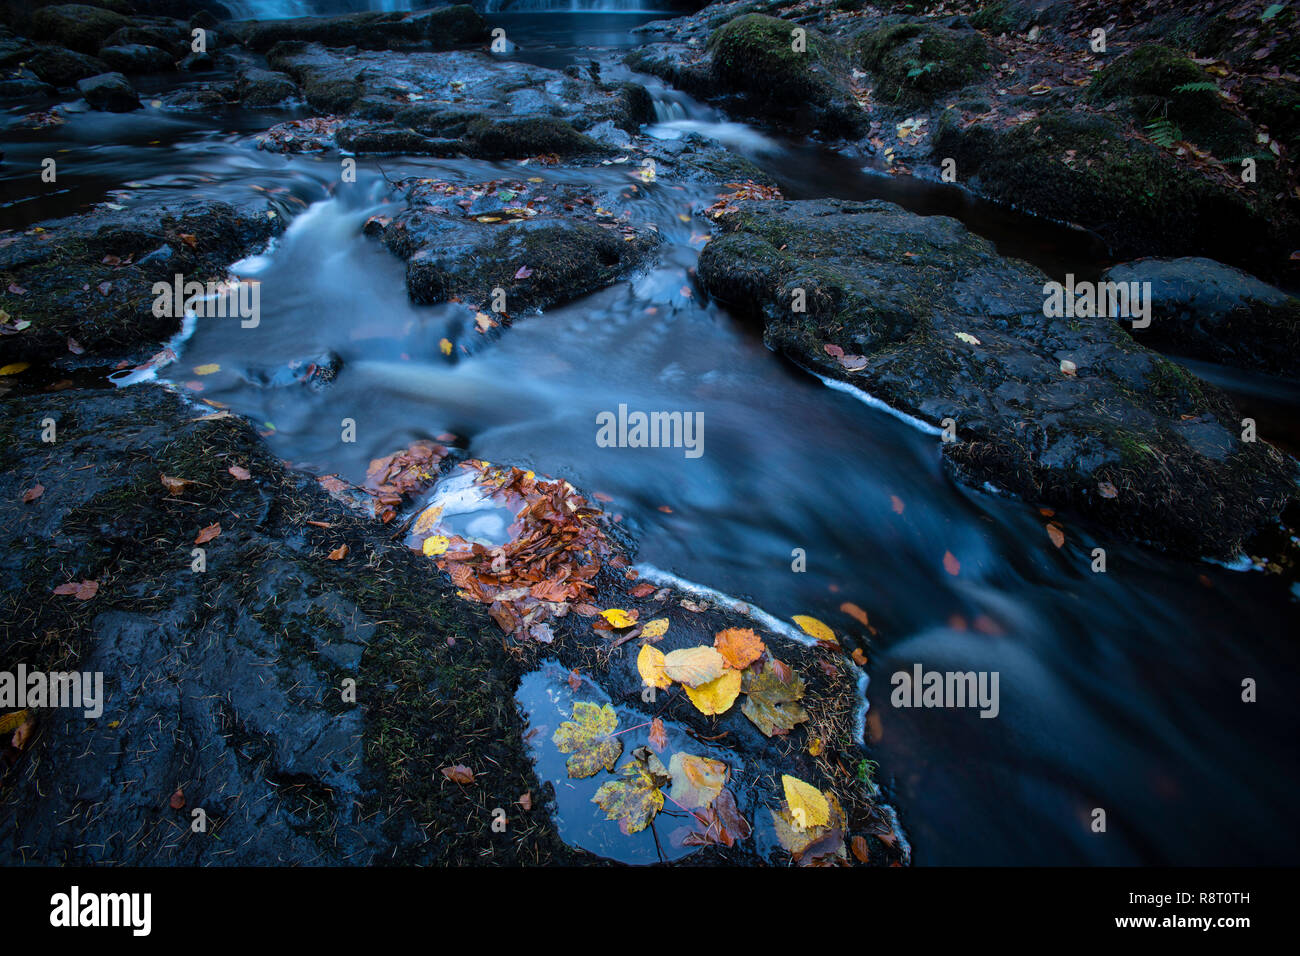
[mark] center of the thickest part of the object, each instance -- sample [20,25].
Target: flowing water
[1119,691]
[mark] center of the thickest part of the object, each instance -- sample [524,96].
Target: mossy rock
[755,56]
[518,139]
[1086,169]
[924,315]
[1154,82]
[914,62]
[77,26]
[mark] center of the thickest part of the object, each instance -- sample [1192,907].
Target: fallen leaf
[807,804]
[435,545]
[1057,535]
[968,338]
[815,628]
[717,696]
[177,799]
[82,590]
[587,737]
[339,553]
[739,646]
[618,617]
[771,699]
[1107,490]
[444,345]
[693,666]
[855,612]
[859,846]
[32,493]
[658,735]
[654,629]
[697,781]
[175,486]
[636,798]
[951,564]
[650,664]
[207,369]
[458,774]
[241,474]
[208,533]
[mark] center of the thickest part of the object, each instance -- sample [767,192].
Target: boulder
[109,91]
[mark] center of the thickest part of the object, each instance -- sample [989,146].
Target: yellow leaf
[9,721]
[816,628]
[694,666]
[428,518]
[656,628]
[618,617]
[807,804]
[650,663]
[207,369]
[717,695]
[588,736]
[15,368]
[445,346]
[435,545]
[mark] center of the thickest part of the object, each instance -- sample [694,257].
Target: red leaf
[32,493]
[177,800]
[458,774]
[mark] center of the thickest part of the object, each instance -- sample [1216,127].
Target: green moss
[914,62]
[1154,83]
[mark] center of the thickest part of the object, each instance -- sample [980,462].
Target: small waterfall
[284,9]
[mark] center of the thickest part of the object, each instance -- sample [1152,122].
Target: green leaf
[636,798]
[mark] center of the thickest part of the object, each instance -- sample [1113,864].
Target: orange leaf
[739,646]
[339,553]
[855,612]
[208,533]
[658,735]
[1056,534]
[951,564]
[458,774]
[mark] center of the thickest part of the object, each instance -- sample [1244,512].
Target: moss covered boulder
[77,26]
[1088,169]
[803,84]
[926,316]
[915,62]
[1157,85]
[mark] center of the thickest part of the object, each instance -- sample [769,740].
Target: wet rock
[197,62]
[77,26]
[441,29]
[229,684]
[137,58]
[109,91]
[91,277]
[262,88]
[1085,168]
[889,293]
[753,56]
[541,243]
[1208,310]
[22,84]
[60,67]
[494,108]
[173,38]
[316,373]
[1018,17]
[915,62]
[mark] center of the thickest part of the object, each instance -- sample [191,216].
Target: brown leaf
[32,493]
[83,590]
[458,774]
[175,486]
[23,733]
[658,735]
[575,680]
[241,474]
[339,553]
[1055,532]
[526,800]
[208,533]
[177,800]
[859,846]
[951,564]
[643,590]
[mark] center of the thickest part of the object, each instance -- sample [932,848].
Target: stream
[1119,690]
